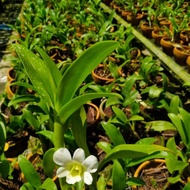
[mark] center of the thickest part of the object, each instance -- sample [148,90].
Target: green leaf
[5,166]
[172,145]
[149,140]
[185,117]
[113,133]
[30,118]
[174,105]
[118,176]
[29,172]
[24,84]
[120,114]
[106,147]
[187,186]
[48,134]
[164,82]
[175,165]
[75,74]
[126,151]
[101,183]
[135,181]
[136,118]
[23,98]
[2,137]
[127,88]
[160,125]
[68,109]
[55,73]
[178,124]
[49,184]
[154,92]
[78,122]
[161,154]
[27,186]
[48,163]
[38,72]
[174,179]
[131,98]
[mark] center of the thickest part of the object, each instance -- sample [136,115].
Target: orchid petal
[88,178]
[91,164]
[62,156]
[62,172]
[79,155]
[71,180]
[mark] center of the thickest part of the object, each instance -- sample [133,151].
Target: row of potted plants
[51,90]
[168,21]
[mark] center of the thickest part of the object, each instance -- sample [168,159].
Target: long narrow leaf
[133,151]
[55,73]
[79,129]
[68,109]
[118,176]
[80,69]
[179,126]
[113,133]
[29,172]
[38,72]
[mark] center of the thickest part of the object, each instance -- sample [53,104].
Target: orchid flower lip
[75,168]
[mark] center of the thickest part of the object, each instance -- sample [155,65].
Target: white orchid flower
[77,168]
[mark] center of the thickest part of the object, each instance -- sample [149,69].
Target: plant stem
[59,143]
[58,135]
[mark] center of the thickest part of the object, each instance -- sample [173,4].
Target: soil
[91,114]
[103,72]
[154,177]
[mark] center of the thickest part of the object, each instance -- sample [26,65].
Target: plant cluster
[58,46]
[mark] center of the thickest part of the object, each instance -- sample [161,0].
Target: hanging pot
[181,54]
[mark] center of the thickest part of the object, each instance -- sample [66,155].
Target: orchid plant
[60,96]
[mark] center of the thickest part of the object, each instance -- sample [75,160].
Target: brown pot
[147,30]
[105,112]
[168,45]
[11,74]
[154,164]
[188,63]
[134,20]
[164,22]
[157,35]
[102,76]
[181,54]
[185,36]
[92,113]
[10,90]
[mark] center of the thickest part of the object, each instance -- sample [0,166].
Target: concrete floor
[8,15]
